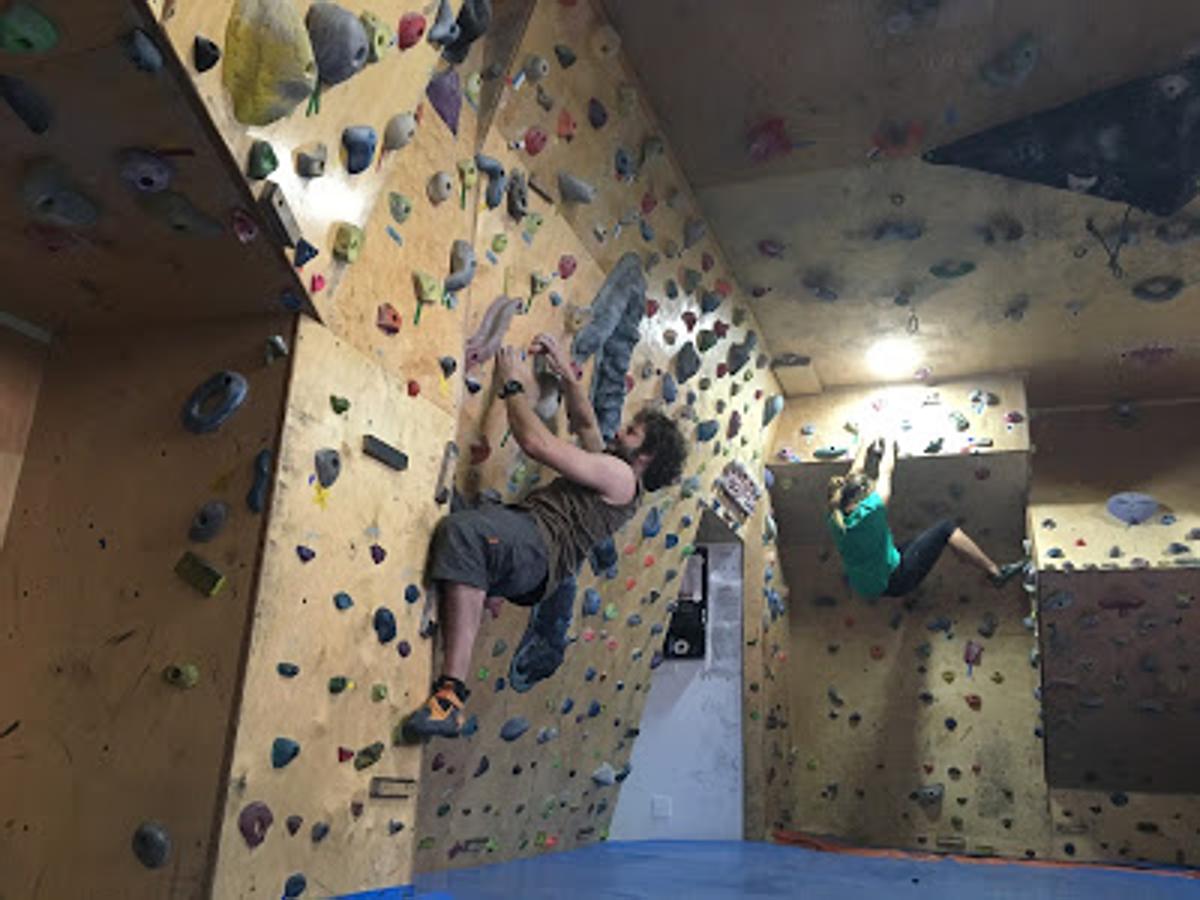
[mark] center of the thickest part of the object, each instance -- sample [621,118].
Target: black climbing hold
[1152,166]
[26,103]
[328,463]
[319,832]
[208,521]
[566,56]
[287,669]
[474,19]
[483,766]
[384,623]
[449,365]
[152,845]
[205,53]
[295,886]
[597,114]
[384,453]
[1158,289]
[214,401]
[254,822]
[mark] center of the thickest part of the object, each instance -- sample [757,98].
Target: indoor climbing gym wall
[1115,516]
[599,244]
[914,721]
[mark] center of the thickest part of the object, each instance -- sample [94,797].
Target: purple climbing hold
[445,96]
[404,648]
[306,554]
[597,114]
[378,554]
[514,728]
[254,821]
[1132,508]
[292,824]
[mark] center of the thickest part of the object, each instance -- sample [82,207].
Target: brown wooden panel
[21,363]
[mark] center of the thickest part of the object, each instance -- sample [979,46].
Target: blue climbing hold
[670,390]
[686,521]
[544,643]
[342,600]
[567,706]
[671,541]
[652,524]
[385,625]
[514,728]
[656,628]
[360,142]
[319,832]
[707,430]
[940,624]
[295,886]
[590,674]
[710,302]
[634,621]
[499,685]
[951,724]
[591,602]
[412,593]
[283,751]
[556,298]
[256,497]
[647,231]
[305,253]
[470,726]
[287,669]
[593,709]
[1132,508]
[1167,519]
[214,401]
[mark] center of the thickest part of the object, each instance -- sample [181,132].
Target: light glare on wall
[893,357]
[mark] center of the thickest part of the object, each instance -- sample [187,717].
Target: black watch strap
[512,386]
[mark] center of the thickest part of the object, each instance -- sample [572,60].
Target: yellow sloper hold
[269,65]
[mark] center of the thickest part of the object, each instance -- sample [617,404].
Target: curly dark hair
[666,446]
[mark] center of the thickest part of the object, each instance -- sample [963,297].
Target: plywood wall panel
[22,361]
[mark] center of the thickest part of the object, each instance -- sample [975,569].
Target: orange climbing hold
[566,125]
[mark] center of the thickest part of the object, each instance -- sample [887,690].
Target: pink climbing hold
[345,754]
[318,283]
[723,287]
[648,561]
[588,635]
[611,644]
[535,140]
[566,125]
[707,261]
[768,140]
[973,654]
[770,248]
[689,319]
[412,29]
[566,266]
[651,308]
[649,203]
[414,387]
[629,383]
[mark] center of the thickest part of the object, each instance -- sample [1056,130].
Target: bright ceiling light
[893,357]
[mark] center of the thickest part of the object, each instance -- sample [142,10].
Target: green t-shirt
[868,552]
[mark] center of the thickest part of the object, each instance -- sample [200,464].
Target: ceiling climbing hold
[51,199]
[269,64]
[152,845]
[26,103]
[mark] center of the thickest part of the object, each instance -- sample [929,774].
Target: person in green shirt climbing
[874,565]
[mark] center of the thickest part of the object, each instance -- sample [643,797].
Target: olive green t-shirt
[869,554]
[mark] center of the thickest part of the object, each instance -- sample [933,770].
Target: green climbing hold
[499,647]
[25,30]
[688,550]
[368,756]
[338,404]
[379,693]
[263,160]
[610,612]
[199,574]
[706,340]
[184,676]
[483,673]
[339,684]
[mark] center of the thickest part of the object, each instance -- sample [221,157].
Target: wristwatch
[512,386]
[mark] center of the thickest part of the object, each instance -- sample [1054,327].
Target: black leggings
[918,556]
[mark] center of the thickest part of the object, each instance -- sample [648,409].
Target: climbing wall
[121,676]
[898,740]
[551,780]
[122,209]
[21,363]
[1116,628]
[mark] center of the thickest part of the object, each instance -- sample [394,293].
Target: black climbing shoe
[439,716]
[1007,572]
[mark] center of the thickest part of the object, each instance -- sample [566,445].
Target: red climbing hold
[412,29]
[414,388]
[758,394]
[723,287]
[876,652]
[707,261]
[551,840]
[566,266]
[566,125]
[535,140]
[722,370]
[649,203]
[388,318]
[1080,542]
[648,561]
[345,754]
[611,644]
[318,283]
[630,584]
[720,329]
[974,701]
[588,635]
[629,383]
[689,319]
[768,140]
[630,549]
[928,768]
[651,308]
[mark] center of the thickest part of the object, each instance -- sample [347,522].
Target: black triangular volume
[1137,144]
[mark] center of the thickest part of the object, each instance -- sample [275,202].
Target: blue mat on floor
[687,870]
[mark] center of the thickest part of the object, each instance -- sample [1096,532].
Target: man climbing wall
[523,552]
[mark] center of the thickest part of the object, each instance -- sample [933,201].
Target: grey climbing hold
[930,795]
[605,775]
[687,362]
[445,29]
[311,163]
[566,56]
[256,497]
[694,231]
[328,463]
[572,189]
[514,728]
[536,68]
[152,845]
[1158,289]
[518,196]
[339,42]
[144,171]
[51,198]
[462,266]
[208,521]
[1011,66]
[497,179]
[213,402]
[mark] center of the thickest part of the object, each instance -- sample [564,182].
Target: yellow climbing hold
[269,65]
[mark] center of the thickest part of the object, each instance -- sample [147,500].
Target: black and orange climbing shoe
[439,716]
